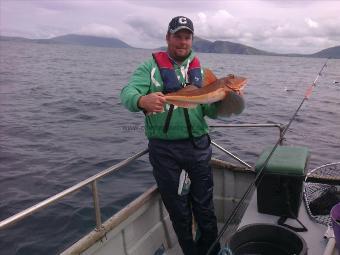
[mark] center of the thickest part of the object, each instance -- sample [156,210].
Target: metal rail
[230,154]
[93,182]
[279,126]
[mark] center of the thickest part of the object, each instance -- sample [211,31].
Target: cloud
[311,23]
[268,25]
[274,27]
[215,25]
[99,30]
[147,28]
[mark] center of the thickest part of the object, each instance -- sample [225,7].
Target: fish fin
[209,77]
[231,104]
[181,104]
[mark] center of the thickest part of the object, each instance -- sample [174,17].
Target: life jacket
[168,74]
[171,84]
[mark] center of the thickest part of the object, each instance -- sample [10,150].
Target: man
[178,137]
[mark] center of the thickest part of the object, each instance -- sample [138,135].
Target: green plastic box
[285,160]
[280,190]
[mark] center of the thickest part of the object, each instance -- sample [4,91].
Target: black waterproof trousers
[168,158]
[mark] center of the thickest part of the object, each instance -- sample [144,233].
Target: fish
[213,90]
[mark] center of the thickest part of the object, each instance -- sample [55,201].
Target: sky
[277,26]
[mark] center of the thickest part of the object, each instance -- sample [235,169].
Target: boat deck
[175,250]
[313,237]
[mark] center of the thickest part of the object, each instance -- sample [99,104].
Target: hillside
[333,52]
[90,41]
[199,45]
[202,45]
[85,40]
[14,39]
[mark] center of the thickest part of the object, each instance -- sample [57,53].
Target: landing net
[322,192]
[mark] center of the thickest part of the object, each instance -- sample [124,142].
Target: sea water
[61,121]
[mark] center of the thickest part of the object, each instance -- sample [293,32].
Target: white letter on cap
[182,20]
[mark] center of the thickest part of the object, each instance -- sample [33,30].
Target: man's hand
[153,102]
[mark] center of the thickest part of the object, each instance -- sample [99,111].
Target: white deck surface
[175,250]
[313,237]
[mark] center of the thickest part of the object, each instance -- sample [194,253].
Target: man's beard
[179,58]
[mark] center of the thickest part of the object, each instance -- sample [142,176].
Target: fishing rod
[259,174]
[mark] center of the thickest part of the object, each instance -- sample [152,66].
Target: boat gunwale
[93,179]
[98,234]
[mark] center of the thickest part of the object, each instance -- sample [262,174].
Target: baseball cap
[180,22]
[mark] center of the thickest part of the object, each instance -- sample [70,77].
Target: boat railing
[248,125]
[92,181]
[89,181]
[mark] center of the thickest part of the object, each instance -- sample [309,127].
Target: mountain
[206,46]
[224,47]
[199,45]
[14,39]
[333,52]
[86,40]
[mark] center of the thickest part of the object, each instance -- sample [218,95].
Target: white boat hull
[143,226]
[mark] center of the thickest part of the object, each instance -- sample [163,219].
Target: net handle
[320,167]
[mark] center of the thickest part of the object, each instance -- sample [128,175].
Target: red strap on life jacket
[162,60]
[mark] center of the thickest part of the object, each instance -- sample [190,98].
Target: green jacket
[147,79]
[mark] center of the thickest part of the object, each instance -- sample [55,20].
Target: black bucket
[266,239]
